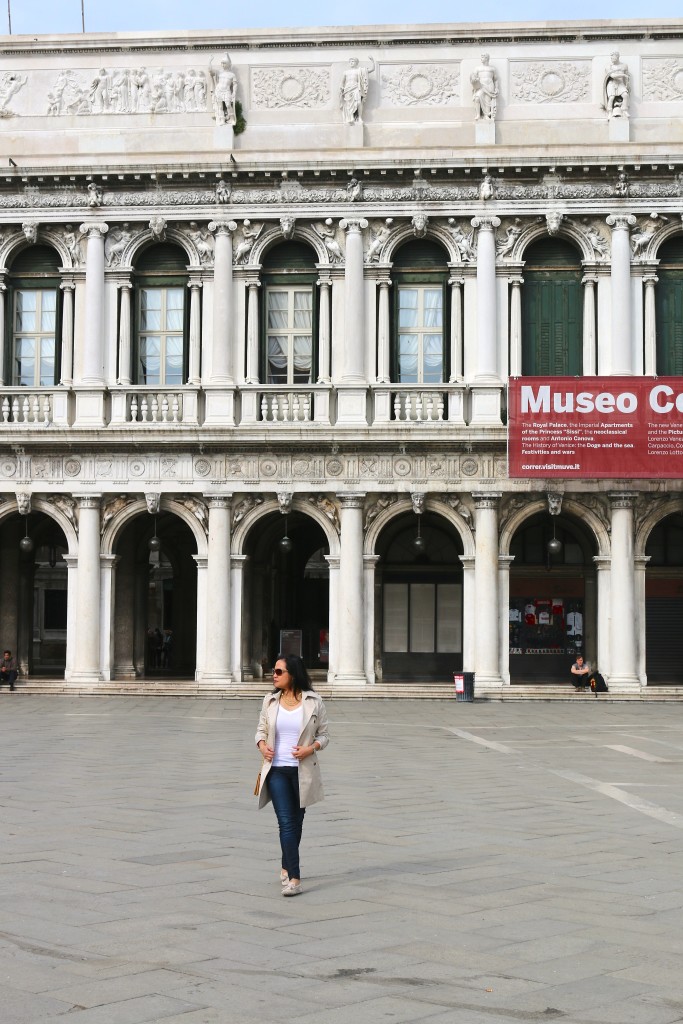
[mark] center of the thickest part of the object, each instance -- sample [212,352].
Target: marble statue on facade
[326,231]
[94,195]
[287,225]
[642,236]
[224,92]
[10,83]
[464,243]
[157,226]
[30,229]
[553,220]
[487,188]
[354,190]
[223,192]
[250,233]
[353,90]
[203,243]
[506,244]
[616,88]
[597,241]
[379,237]
[484,81]
[72,240]
[420,222]
[117,242]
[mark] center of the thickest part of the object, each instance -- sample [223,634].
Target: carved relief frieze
[10,84]
[67,506]
[644,232]
[249,233]
[596,240]
[328,233]
[113,507]
[377,505]
[244,505]
[116,243]
[421,85]
[199,510]
[506,241]
[203,242]
[128,91]
[551,81]
[662,79]
[379,233]
[328,509]
[276,88]
[465,241]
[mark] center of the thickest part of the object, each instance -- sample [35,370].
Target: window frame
[294,280]
[22,282]
[146,280]
[420,279]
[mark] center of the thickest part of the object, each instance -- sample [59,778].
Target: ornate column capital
[218,500]
[194,281]
[352,500]
[621,221]
[485,223]
[622,499]
[650,279]
[65,286]
[85,501]
[353,225]
[222,227]
[383,279]
[96,229]
[486,499]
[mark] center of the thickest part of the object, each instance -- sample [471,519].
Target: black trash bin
[464,685]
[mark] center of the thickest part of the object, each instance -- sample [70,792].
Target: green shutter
[669,308]
[552,310]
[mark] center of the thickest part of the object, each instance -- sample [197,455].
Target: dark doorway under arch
[664,602]
[418,599]
[155,599]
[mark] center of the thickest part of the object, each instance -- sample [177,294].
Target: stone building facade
[261,296]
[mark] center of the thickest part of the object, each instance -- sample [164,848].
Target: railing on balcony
[275,404]
[33,407]
[415,403]
[139,407]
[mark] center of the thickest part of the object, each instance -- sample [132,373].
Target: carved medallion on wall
[421,85]
[663,79]
[275,88]
[551,82]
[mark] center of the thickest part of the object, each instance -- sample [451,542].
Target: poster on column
[627,427]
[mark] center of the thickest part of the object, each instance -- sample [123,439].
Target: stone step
[380,691]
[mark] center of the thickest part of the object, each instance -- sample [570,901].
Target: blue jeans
[283,786]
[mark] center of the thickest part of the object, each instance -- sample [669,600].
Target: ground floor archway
[664,602]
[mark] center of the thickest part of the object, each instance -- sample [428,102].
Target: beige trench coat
[314,728]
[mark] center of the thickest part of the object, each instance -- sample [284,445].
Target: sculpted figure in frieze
[224,92]
[354,190]
[73,240]
[642,235]
[243,506]
[327,232]
[616,88]
[354,89]
[116,243]
[420,224]
[597,240]
[379,235]
[202,241]
[553,221]
[376,506]
[621,187]
[199,510]
[10,83]
[464,243]
[250,233]
[113,507]
[223,191]
[94,195]
[484,81]
[507,242]
[30,229]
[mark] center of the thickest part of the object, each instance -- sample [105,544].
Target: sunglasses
[279,671]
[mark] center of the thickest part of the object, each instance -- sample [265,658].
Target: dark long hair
[297,670]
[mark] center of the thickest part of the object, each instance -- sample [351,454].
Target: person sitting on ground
[582,670]
[8,669]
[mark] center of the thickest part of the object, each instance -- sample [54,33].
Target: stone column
[333,604]
[487,364]
[194,372]
[324,332]
[72,635]
[217,624]
[66,377]
[516,326]
[486,387]
[589,282]
[622,347]
[487,663]
[469,606]
[350,616]
[623,647]
[253,285]
[222,355]
[86,652]
[93,356]
[383,332]
[369,564]
[200,561]
[125,377]
[504,563]
[237,616]
[108,564]
[3,289]
[456,374]
[351,396]
[602,567]
[640,569]
[650,280]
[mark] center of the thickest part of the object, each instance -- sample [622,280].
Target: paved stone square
[472,864]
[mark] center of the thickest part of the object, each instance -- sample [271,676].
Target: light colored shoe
[291,889]
[284,880]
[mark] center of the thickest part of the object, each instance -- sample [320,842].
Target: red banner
[624,427]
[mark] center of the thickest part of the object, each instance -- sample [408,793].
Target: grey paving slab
[526,868]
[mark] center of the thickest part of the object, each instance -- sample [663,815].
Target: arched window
[161,317]
[290,315]
[34,312]
[669,308]
[419,350]
[552,310]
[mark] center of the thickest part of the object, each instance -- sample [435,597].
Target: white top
[288,727]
